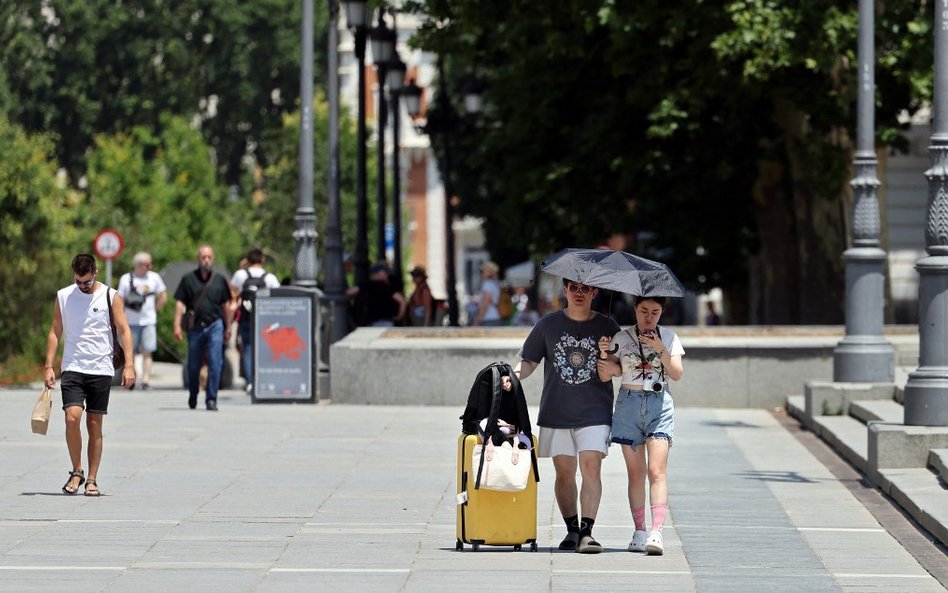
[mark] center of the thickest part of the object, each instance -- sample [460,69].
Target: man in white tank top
[81,317]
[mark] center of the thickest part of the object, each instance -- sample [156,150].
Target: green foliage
[270,191]
[161,193]
[714,134]
[36,223]
[86,67]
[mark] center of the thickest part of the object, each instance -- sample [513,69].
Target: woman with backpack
[246,282]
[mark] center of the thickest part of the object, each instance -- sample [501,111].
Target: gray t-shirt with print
[573,396]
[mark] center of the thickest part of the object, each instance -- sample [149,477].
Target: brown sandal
[67,489]
[95,491]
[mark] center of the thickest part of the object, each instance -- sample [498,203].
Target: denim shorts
[641,415]
[144,338]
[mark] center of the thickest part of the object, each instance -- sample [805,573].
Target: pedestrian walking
[644,420]
[246,282]
[83,316]
[421,303]
[487,313]
[575,406]
[202,311]
[143,292]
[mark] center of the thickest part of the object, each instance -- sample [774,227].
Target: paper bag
[41,410]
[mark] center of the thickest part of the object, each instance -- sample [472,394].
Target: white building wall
[905,211]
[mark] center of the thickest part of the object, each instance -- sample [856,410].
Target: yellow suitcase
[489,517]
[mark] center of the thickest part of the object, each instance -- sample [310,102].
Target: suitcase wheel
[459,546]
[475,546]
[516,547]
[533,547]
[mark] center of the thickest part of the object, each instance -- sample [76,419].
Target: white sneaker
[249,388]
[638,541]
[654,545]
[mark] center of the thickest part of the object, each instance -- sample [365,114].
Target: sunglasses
[579,289]
[85,283]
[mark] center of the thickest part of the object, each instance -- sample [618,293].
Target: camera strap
[658,329]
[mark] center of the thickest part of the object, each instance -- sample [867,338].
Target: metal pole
[926,391]
[864,355]
[397,195]
[361,258]
[380,166]
[335,281]
[450,273]
[304,271]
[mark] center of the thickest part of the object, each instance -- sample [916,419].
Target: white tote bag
[505,468]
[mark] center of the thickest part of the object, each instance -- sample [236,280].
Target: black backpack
[487,399]
[249,291]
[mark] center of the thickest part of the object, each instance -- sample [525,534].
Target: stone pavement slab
[286,498]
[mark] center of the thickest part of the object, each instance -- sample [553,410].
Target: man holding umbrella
[575,406]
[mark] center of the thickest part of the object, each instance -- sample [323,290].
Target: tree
[715,134]
[38,234]
[270,192]
[79,68]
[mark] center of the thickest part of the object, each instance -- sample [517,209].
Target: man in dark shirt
[575,406]
[378,302]
[203,311]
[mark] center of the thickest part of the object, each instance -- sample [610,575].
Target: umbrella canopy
[614,270]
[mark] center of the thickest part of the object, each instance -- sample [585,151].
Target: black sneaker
[212,406]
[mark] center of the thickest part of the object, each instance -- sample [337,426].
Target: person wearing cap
[420,305]
[487,312]
[378,304]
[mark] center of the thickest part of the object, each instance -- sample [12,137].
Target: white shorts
[570,441]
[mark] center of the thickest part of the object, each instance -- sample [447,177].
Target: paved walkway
[280,498]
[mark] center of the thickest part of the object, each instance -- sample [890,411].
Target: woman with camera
[644,419]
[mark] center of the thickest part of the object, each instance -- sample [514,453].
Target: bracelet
[48,366]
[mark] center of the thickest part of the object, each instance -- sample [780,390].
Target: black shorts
[83,390]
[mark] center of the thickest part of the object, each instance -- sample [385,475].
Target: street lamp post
[445,125]
[926,391]
[395,73]
[864,355]
[305,263]
[357,17]
[383,46]
[335,282]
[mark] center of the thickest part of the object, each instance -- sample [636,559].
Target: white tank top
[87,333]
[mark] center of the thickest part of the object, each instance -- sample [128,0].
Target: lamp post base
[926,397]
[926,391]
[864,359]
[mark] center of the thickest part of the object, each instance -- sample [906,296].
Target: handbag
[505,469]
[118,353]
[39,422]
[134,300]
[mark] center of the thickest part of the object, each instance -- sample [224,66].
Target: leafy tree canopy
[716,135]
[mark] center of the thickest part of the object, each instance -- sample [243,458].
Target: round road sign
[108,244]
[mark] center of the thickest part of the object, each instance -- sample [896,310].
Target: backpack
[249,291]
[505,303]
[488,400]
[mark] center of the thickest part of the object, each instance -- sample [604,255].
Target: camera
[658,386]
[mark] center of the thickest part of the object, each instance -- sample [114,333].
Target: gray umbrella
[614,270]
